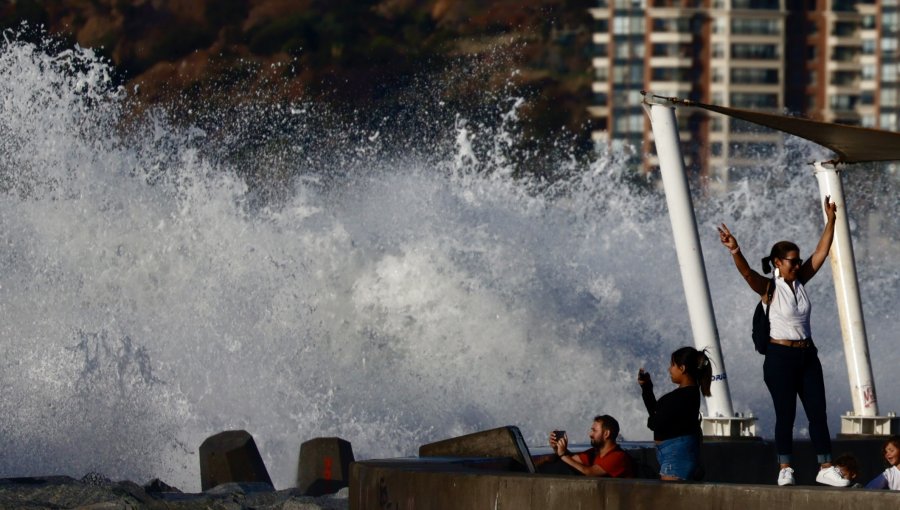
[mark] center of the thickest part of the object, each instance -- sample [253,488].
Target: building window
[868,46]
[755,4]
[682,74]
[842,101]
[753,100]
[867,97]
[633,123]
[843,78]
[755,26]
[843,5]
[844,28]
[889,73]
[868,23]
[754,76]
[888,98]
[844,53]
[718,50]
[719,25]
[628,25]
[754,51]
[679,25]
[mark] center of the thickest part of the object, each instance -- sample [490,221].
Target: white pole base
[729,426]
[855,425]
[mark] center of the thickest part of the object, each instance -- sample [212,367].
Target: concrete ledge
[450,484]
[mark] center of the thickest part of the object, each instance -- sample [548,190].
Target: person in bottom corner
[890,478]
[848,467]
[675,417]
[605,458]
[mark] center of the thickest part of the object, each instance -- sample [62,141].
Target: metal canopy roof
[852,144]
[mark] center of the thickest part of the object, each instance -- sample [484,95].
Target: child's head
[696,364]
[891,450]
[847,465]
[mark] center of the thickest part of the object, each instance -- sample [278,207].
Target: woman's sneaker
[786,476]
[832,476]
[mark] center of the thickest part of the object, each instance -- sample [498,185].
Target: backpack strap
[770,291]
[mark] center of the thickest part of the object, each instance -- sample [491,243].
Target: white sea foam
[151,295]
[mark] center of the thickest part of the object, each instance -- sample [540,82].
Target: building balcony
[671,62]
[673,86]
[600,136]
[670,37]
[600,12]
[847,88]
[598,111]
[854,40]
[757,88]
[844,65]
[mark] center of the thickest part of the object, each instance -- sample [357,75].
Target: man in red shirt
[605,458]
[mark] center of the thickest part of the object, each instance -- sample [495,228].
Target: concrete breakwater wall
[449,484]
[494,469]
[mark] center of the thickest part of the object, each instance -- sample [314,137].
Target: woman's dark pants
[790,372]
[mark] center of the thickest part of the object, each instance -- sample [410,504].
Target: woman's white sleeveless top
[789,316]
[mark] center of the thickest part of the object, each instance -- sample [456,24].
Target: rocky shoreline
[96,492]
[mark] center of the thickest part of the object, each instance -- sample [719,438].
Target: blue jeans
[678,457]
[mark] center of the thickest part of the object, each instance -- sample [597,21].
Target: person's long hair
[697,365]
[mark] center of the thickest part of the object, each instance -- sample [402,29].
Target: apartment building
[831,60]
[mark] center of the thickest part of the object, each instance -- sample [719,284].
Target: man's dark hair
[609,423]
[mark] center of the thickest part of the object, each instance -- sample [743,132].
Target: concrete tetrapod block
[324,466]
[495,443]
[231,456]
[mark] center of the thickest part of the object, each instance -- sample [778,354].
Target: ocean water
[163,281]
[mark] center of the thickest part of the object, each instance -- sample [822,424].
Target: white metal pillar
[721,420]
[864,418]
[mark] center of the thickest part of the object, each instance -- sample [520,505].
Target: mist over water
[151,294]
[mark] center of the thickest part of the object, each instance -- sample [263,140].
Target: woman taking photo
[675,417]
[792,366]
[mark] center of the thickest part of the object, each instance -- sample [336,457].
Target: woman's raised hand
[830,208]
[727,239]
[644,377]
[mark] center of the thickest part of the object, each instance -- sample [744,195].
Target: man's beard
[596,443]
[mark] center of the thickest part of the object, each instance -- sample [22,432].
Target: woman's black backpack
[761,320]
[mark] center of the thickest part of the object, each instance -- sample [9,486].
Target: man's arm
[575,462]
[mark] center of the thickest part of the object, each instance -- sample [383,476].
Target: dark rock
[55,492]
[231,456]
[94,479]
[156,486]
[324,466]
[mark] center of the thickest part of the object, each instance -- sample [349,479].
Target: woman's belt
[802,344]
